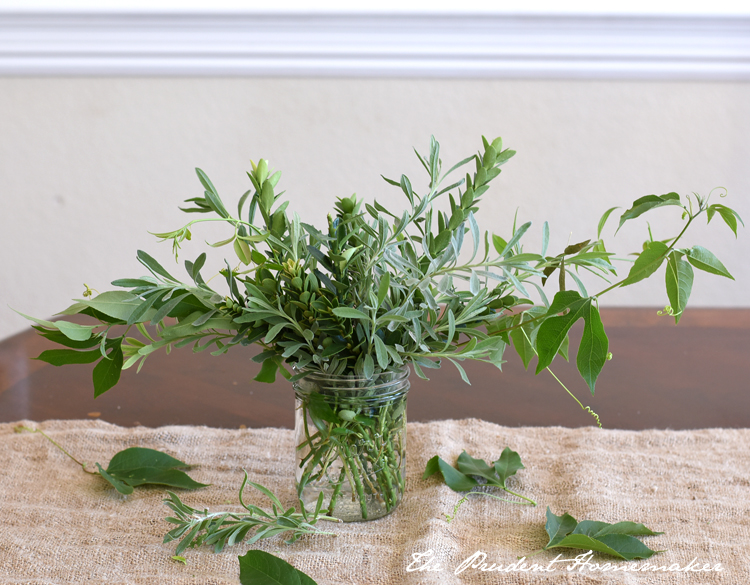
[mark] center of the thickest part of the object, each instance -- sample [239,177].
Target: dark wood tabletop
[661,376]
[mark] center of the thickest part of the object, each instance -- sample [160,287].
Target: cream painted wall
[89,165]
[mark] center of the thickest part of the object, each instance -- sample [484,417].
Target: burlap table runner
[60,525]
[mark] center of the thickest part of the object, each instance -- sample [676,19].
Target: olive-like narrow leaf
[153,266]
[381,353]
[603,221]
[385,285]
[350,313]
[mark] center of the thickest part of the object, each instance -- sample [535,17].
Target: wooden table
[662,376]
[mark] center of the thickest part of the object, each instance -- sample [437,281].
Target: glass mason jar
[351,443]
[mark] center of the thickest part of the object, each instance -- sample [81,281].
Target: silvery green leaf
[474,234]
[445,284]
[474,283]
[545,238]
[517,235]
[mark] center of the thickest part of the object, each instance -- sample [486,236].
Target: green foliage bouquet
[374,291]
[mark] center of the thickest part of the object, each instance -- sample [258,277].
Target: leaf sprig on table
[463,478]
[617,540]
[196,527]
[134,467]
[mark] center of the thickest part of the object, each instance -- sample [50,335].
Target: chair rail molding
[379,44]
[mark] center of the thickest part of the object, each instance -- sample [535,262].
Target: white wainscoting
[383,44]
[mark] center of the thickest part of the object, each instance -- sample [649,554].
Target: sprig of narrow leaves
[196,527]
[134,467]
[258,566]
[469,468]
[617,540]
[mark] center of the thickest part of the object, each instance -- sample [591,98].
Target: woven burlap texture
[61,525]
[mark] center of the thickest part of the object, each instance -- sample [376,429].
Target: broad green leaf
[679,281]
[156,476]
[135,457]
[107,372]
[613,539]
[617,545]
[647,262]
[521,344]
[120,486]
[258,567]
[507,465]
[552,333]
[75,331]
[558,527]
[704,260]
[118,304]
[592,352]
[730,216]
[267,372]
[455,480]
[58,337]
[470,466]
[644,204]
[61,357]
[137,466]
[350,313]
[632,528]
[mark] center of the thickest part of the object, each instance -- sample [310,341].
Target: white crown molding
[360,45]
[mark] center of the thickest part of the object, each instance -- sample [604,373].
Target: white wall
[89,165]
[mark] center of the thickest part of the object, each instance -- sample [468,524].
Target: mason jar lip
[402,372]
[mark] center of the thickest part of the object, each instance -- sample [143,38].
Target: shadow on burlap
[61,525]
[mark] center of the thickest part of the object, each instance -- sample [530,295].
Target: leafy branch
[377,289]
[196,527]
